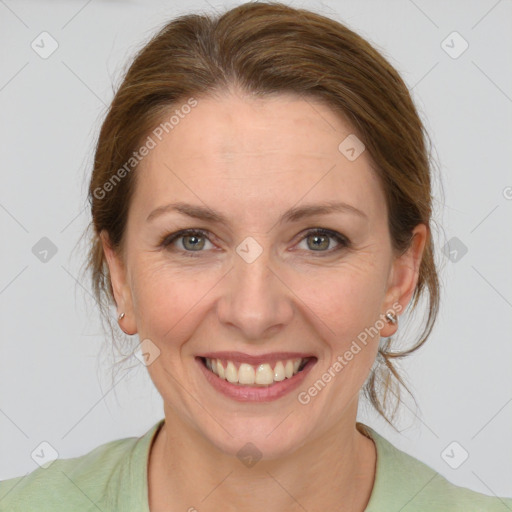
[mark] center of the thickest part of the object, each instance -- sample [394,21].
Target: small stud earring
[391,318]
[121,316]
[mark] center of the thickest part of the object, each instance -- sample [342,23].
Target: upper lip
[272,357]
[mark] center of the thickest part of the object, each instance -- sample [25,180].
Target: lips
[247,377]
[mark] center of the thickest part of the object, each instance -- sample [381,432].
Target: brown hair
[270,48]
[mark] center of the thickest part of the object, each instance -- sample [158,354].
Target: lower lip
[255,393]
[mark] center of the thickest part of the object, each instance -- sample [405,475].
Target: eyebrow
[292,215]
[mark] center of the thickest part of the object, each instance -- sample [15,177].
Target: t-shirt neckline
[140,464]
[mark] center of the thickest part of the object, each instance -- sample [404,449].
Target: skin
[252,159]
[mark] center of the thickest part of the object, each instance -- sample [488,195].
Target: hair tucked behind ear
[269,48]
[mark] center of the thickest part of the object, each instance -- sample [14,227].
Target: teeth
[264,374]
[279,372]
[231,371]
[288,369]
[247,374]
[220,370]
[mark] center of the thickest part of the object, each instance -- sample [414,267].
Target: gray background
[54,378]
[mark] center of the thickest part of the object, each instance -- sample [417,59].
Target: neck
[333,472]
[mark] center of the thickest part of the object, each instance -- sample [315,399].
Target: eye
[192,240]
[318,240]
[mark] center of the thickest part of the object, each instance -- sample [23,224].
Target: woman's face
[260,282]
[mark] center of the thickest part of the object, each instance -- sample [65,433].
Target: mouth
[263,374]
[250,378]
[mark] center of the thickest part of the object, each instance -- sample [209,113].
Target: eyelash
[167,240]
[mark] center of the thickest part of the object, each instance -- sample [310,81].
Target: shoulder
[405,483]
[83,483]
[75,482]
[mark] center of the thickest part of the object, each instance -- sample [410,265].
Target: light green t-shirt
[113,477]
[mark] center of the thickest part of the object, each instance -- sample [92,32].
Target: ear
[120,285]
[403,278]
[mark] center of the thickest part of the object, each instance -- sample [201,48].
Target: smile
[263,374]
[255,378]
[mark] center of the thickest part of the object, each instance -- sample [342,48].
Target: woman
[261,205]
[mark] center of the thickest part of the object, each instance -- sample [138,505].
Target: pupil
[320,237]
[194,244]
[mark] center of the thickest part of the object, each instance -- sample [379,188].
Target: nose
[255,300]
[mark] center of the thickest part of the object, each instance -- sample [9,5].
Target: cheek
[346,298]
[165,297]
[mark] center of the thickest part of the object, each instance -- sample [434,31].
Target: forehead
[255,155]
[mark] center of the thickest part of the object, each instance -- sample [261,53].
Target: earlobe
[120,287]
[404,278]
